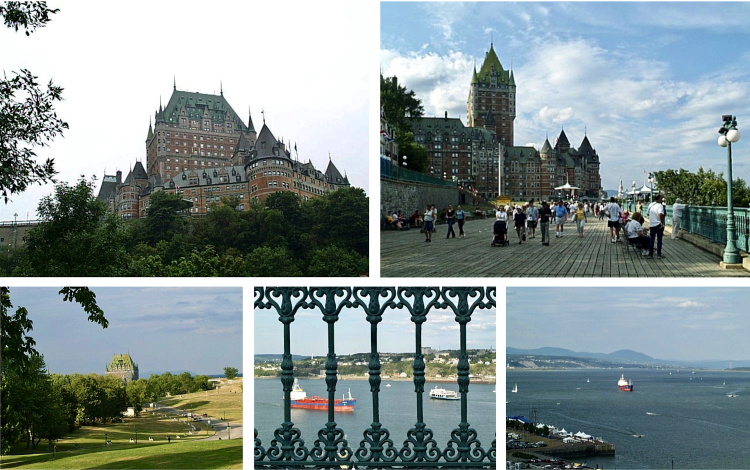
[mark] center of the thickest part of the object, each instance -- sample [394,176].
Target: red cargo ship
[299,399]
[624,385]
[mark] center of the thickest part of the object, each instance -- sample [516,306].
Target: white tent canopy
[566,187]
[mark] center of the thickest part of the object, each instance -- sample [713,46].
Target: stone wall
[408,196]
[12,236]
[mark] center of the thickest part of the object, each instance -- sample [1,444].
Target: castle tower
[492,98]
[123,367]
[193,131]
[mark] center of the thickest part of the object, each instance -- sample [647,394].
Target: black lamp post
[729,135]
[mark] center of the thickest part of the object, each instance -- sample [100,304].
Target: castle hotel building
[122,367]
[482,154]
[200,149]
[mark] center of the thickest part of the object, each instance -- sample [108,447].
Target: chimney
[446,115]
[119,177]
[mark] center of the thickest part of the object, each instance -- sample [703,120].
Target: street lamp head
[726,117]
[722,141]
[733,135]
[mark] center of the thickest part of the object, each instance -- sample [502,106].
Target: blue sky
[165,329]
[679,323]
[647,82]
[395,332]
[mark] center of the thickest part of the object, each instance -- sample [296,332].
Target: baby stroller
[501,234]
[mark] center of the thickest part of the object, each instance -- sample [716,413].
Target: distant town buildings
[201,149]
[122,367]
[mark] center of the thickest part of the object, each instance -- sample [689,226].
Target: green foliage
[32,120]
[283,236]
[703,188]
[399,103]
[26,15]
[335,261]
[230,372]
[77,237]
[417,154]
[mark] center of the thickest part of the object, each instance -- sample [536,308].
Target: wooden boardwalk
[405,254]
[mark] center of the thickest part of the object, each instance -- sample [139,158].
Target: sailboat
[515,389]
[725,382]
[588,381]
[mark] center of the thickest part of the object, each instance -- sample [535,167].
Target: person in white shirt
[532,216]
[656,214]
[677,209]
[429,222]
[636,235]
[614,219]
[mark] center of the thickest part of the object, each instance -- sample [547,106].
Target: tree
[265,261]
[77,236]
[399,104]
[19,358]
[334,261]
[27,114]
[230,372]
[164,216]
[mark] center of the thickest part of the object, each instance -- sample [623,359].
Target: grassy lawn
[148,425]
[178,455]
[227,400]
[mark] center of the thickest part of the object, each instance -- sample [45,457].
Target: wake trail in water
[626,432]
[703,421]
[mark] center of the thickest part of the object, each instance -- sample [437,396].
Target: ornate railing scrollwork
[376,449]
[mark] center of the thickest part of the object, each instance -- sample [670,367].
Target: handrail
[376,450]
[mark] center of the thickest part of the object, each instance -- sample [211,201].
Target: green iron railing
[711,222]
[394,172]
[376,449]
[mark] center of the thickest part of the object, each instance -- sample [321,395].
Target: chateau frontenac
[199,147]
[482,155]
[123,367]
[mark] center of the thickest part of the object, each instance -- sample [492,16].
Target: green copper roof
[196,104]
[491,66]
[474,78]
[121,361]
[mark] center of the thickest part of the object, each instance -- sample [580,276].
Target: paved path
[405,254]
[221,427]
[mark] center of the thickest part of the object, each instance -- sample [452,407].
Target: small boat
[725,382]
[387,385]
[588,381]
[624,385]
[443,394]
[515,389]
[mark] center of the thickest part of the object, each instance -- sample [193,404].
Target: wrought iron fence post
[381,447]
[326,447]
[292,445]
[464,437]
[419,437]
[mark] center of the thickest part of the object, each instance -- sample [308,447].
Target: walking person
[532,217]
[613,212]
[580,218]
[450,216]
[460,218]
[519,221]
[429,222]
[545,213]
[677,209]
[656,215]
[561,215]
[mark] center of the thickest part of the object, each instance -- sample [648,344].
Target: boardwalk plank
[405,254]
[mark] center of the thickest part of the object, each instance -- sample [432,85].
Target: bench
[150,438]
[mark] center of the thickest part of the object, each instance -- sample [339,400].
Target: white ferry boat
[443,394]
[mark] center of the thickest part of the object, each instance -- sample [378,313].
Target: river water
[683,417]
[398,411]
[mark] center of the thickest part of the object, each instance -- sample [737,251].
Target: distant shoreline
[685,371]
[393,379]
